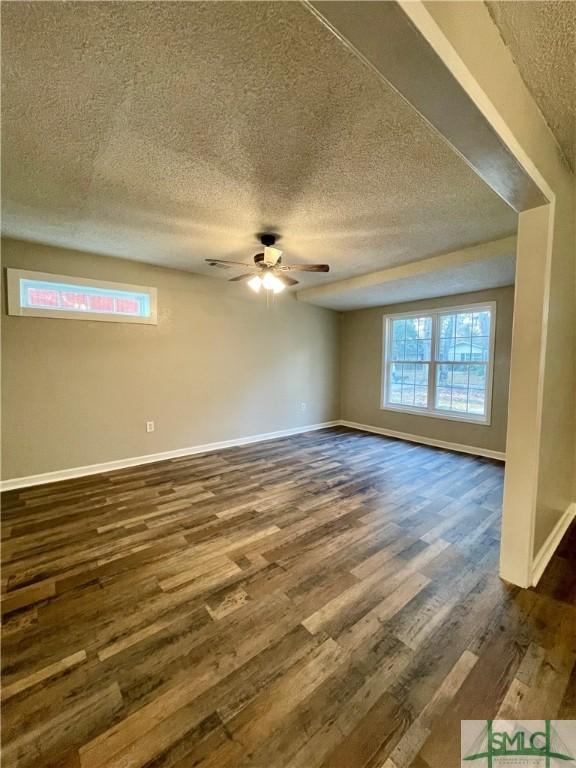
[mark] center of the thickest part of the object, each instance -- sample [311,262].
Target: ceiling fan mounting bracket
[267,238]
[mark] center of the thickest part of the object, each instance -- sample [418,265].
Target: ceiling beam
[492,249]
[382,36]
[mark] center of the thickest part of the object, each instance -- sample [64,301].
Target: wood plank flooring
[328,600]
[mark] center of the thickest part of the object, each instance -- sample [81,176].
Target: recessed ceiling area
[541,37]
[476,276]
[488,265]
[177,131]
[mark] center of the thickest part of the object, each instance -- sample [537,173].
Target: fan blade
[214,262]
[288,281]
[241,277]
[305,268]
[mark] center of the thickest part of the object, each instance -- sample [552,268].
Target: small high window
[41,294]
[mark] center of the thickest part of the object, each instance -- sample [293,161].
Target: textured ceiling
[169,132]
[541,37]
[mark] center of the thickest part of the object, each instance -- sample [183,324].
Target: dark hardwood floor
[329,599]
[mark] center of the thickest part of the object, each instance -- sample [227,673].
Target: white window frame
[429,410]
[15,307]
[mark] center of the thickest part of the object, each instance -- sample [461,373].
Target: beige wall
[219,365]
[361,373]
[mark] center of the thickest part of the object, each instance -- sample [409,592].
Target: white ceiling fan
[268,272]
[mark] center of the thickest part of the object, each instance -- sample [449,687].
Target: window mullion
[432,365]
[388,361]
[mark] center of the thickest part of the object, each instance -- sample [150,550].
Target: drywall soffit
[486,265]
[413,68]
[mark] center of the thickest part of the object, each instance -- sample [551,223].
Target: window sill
[467,418]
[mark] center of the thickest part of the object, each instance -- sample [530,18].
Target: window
[40,294]
[439,363]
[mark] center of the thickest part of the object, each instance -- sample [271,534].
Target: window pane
[463,324]
[444,375]
[408,373]
[397,350]
[425,327]
[421,396]
[481,323]
[421,375]
[398,330]
[412,328]
[444,387]
[446,348]
[64,297]
[407,395]
[447,326]
[464,337]
[480,348]
[424,349]
[408,384]
[411,350]
[477,376]
[394,392]
[461,388]
[462,349]
[477,403]
[443,398]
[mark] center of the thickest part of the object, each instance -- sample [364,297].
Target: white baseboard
[500,455]
[109,466]
[551,544]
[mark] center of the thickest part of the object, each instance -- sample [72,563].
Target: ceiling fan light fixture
[255,283]
[269,281]
[267,270]
[273,283]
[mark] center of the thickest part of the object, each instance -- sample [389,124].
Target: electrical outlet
[150,426]
[303,406]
